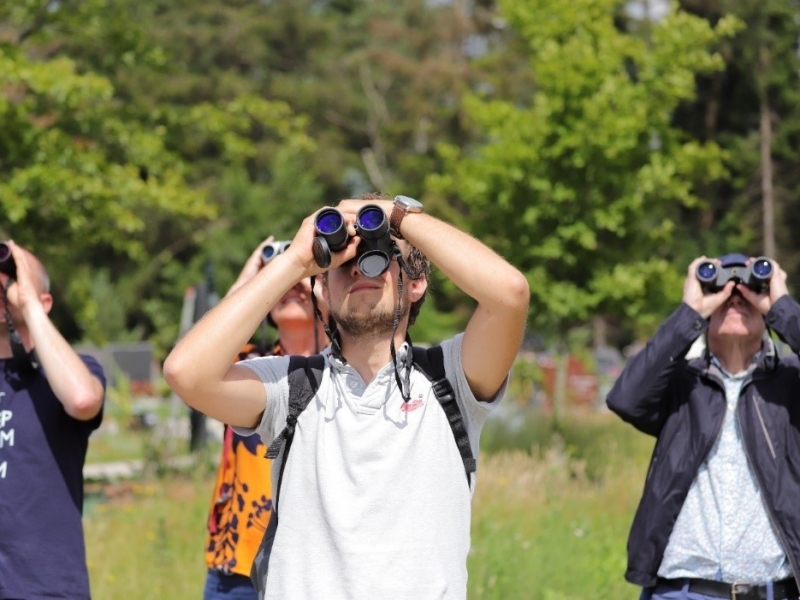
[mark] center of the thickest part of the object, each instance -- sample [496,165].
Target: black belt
[781,590]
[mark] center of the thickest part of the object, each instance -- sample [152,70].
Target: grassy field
[550,519]
[147,541]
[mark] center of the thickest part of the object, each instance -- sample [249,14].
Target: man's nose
[352,268]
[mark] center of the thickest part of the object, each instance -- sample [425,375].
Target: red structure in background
[582,384]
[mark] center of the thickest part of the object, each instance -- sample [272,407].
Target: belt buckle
[735,591]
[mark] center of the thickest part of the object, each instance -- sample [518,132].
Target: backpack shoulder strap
[305,375]
[430,362]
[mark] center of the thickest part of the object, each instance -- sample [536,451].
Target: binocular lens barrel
[706,271]
[331,236]
[272,250]
[762,269]
[371,219]
[7,264]
[373,227]
[329,221]
[330,225]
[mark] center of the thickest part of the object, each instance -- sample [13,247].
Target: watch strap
[398,213]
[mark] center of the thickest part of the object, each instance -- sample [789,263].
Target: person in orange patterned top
[242,499]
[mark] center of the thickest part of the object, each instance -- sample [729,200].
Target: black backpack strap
[258,570]
[305,375]
[430,362]
[303,384]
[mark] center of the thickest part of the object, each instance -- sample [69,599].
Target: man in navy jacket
[720,511]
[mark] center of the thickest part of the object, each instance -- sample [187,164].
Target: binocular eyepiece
[756,275]
[270,251]
[7,264]
[375,250]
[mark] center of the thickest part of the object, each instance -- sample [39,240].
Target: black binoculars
[7,264]
[375,250]
[270,251]
[734,267]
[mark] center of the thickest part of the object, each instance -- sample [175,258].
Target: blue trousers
[220,586]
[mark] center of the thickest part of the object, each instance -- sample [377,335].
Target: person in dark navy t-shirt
[51,399]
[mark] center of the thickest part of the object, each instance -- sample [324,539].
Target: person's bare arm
[78,390]
[199,368]
[495,330]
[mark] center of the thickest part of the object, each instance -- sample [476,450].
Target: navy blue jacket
[681,402]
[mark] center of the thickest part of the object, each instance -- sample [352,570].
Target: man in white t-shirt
[374,501]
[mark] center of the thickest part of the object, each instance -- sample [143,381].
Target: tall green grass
[550,519]
[553,507]
[146,542]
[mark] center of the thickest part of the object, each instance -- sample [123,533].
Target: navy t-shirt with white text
[42,453]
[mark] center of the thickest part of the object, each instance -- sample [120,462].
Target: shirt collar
[402,352]
[728,375]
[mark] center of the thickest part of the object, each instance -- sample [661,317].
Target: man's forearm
[205,353]
[495,330]
[76,388]
[475,268]
[784,318]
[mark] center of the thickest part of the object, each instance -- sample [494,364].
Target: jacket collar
[699,359]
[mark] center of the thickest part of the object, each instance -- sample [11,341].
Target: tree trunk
[560,388]
[766,154]
[599,332]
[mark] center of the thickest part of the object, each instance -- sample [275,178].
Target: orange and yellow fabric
[242,501]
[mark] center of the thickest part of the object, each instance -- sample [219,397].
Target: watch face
[409,203]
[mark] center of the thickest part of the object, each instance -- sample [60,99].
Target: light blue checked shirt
[723,531]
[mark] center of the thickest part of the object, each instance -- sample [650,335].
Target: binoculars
[756,275]
[272,250]
[375,250]
[7,264]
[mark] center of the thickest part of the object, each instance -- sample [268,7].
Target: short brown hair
[420,266]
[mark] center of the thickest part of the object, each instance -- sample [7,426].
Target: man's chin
[736,331]
[364,323]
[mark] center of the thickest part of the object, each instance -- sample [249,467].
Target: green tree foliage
[149,143]
[381,85]
[121,193]
[762,70]
[582,186]
[79,183]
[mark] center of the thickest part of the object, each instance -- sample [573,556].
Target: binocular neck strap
[405,383]
[332,333]
[398,255]
[336,348]
[26,361]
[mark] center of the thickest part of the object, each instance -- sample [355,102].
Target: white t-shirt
[374,502]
